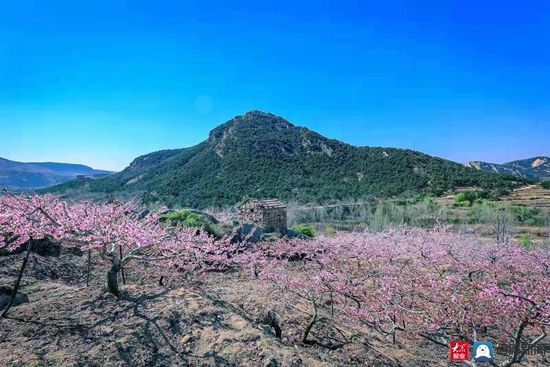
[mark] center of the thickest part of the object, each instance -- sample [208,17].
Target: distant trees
[501,221]
[377,215]
[386,214]
[528,216]
[545,184]
[469,198]
[291,164]
[499,218]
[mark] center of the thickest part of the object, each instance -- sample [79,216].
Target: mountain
[18,175]
[259,154]
[536,168]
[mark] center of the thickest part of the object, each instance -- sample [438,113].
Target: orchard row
[403,283]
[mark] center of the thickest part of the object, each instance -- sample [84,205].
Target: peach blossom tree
[437,285]
[120,232]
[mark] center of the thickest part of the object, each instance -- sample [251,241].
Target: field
[111,284]
[529,206]
[213,320]
[532,195]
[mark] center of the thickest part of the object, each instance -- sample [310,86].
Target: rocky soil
[216,320]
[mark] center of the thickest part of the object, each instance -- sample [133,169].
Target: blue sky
[101,82]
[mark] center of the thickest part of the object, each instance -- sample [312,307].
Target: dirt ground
[216,320]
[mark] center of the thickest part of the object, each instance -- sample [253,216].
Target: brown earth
[216,320]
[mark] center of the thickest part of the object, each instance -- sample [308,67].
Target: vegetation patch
[303,229]
[191,219]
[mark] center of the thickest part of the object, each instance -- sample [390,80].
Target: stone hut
[269,214]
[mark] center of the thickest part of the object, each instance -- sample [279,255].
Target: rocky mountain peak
[539,161]
[251,121]
[535,168]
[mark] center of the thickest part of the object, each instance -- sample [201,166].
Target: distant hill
[260,155]
[536,168]
[18,175]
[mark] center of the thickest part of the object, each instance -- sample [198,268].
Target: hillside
[19,175]
[259,154]
[536,168]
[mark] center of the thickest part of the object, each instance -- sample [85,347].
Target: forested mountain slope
[259,154]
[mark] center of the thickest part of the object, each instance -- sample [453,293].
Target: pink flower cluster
[415,281]
[434,283]
[103,227]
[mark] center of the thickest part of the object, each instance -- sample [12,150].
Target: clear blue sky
[101,82]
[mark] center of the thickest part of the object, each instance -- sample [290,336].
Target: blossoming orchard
[407,285]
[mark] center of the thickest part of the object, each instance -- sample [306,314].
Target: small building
[269,214]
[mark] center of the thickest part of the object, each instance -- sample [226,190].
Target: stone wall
[265,217]
[274,218]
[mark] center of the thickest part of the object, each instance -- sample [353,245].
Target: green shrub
[386,215]
[528,216]
[401,201]
[189,219]
[461,199]
[212,229]
[496,193]
[330,231]
[525,240]
[469,198]
[475,214]
[455,220]
[545,184]
[32,288]
[303,229]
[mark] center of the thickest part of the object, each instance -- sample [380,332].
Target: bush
[189,219]
[386,215]
[524,240]
[303,229]
[475,214]
[468,198]
[496,193]
[528,216]
[454,220]
[545,184]
[330,231]
[461,199]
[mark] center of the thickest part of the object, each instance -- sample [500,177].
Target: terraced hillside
[532,195]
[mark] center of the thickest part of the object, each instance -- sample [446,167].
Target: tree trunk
[88,270]
[18,281]
[272,320]
[394,330]
[311,322]
[277,328]
[121,267]
[112,279]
